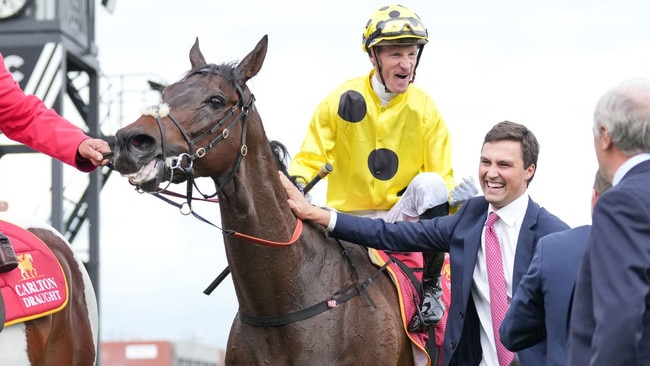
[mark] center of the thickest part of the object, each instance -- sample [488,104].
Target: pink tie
[498,296]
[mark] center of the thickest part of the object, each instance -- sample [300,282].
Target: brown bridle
[185,161]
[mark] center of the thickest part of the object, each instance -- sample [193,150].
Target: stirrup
[417,323]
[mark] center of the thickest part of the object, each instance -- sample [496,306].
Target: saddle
[408,285]
[38,286]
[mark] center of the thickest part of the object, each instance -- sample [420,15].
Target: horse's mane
[282,158]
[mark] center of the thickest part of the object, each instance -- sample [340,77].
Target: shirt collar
[629,164]
[380,90]
[512,211]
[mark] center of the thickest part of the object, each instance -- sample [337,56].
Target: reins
[297,231]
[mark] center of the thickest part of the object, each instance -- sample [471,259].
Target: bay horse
[68,336]
[304,298]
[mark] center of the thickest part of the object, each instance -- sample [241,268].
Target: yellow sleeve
[317,145]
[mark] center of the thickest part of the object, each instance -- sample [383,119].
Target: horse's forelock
[156,111]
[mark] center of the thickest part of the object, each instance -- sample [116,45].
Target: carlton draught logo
[35,291]
[26,266]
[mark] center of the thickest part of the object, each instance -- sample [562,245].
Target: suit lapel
[470,247]
[525,243]
[477,209]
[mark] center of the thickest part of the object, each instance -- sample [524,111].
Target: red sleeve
[26,119]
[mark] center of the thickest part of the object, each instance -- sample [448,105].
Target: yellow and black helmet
[394,24]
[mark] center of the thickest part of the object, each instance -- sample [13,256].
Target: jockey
[380,131]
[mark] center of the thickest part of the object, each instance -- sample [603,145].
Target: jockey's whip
[322,173]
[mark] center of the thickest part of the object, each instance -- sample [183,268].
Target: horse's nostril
[143,142]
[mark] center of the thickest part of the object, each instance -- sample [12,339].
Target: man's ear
[372,59]
[594,198]
[604,140]
[530,171]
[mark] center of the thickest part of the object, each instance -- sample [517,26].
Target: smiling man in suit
[610,315]
[508,163]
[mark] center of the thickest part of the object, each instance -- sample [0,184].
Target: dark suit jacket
[539,311]
[610,315]
[460,235]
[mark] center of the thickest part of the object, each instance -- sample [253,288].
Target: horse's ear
[196,57]
[252,63]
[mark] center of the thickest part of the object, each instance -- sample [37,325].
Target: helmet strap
[417,62]
[381,75]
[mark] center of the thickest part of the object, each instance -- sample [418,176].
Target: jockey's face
[397,63]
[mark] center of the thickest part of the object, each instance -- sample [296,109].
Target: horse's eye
[217,102]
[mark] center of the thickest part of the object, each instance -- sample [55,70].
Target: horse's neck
[264,276]
[254,203]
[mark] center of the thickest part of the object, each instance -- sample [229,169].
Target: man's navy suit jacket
[539,311]
[460,235]
[615,270]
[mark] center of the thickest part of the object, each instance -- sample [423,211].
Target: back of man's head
[625,113]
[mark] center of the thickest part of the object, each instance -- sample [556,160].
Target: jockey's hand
[463,191]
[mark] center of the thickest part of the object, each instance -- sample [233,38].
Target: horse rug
[406,293]
[37,287]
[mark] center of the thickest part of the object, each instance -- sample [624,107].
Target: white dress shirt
[507,228]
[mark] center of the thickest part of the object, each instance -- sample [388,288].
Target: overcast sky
[543,64]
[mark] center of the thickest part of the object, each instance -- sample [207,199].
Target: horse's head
[205,109]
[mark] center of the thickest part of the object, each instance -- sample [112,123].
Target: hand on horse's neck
[255,204]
